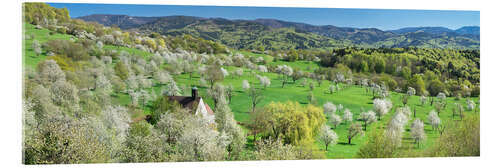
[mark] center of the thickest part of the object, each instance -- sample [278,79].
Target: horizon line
[283,21]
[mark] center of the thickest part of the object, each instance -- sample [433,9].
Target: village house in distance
[190,102]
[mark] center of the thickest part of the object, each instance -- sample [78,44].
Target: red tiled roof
[190,102]
[209,110]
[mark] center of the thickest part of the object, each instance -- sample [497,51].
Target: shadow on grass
[344,143]
[303,102]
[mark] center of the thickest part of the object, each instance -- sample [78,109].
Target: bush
[378,145]
[460,138]
[162,105]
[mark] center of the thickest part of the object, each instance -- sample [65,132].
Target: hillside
[240,34]
[474,30]
[356,35]
[95,94]
[266,33]
[122,21]
[466,30]
[351,97]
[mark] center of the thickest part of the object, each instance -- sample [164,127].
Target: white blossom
[433,119]
[50,72]
[262,68]
[163,77]
[245,85]
[470,104]
[264,81]
[347,115]
[335,119]
[441,96]
[411,91]
[102,83]
[417,131]
[381,106]
[327,136]
[224,72]
[329,107]
[368,117]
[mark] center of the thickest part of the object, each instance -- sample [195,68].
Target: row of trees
[430,71]
[43,15]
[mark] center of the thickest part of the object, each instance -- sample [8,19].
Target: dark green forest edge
[272,35]
[97,94]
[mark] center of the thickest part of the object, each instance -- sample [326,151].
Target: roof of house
[209,110]
[190,102]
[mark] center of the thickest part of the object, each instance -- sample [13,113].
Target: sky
[383,19]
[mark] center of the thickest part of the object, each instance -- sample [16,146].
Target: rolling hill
[122,21]
[272,34]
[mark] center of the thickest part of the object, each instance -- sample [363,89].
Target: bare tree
[255,96]
[229,92]
[354,130]
[214,74]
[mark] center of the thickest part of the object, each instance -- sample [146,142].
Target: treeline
[43,15]
[429,71]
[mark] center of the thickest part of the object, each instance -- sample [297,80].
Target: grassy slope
[353,98]
[42,35]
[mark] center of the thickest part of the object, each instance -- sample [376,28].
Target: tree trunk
[254,136]
[414,112]
[349,140]
[326,147]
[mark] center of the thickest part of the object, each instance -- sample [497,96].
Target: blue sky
[359,18]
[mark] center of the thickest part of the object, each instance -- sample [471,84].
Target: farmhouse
[195,104]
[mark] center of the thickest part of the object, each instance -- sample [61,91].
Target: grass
[353,97]
[30,59]
[131,51]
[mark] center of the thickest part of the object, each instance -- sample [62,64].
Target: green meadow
[352,97]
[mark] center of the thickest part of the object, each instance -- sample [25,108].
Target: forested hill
[271,34]
[122,21]
[472,31]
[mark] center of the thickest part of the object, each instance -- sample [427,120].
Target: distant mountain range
[278,34]
[122,21]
